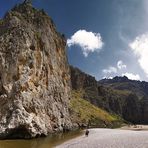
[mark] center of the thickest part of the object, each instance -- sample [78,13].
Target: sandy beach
[110,138]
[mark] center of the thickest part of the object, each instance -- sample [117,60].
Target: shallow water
[48,142]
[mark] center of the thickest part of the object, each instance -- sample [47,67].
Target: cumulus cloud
[88,41]
[118,70]
[140,48]
[110,70]
[131,76]
[120,65]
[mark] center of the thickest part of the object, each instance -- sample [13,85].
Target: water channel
[48,142]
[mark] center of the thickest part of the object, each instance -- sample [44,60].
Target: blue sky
[106,37]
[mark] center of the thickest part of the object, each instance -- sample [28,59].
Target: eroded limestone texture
[34,75]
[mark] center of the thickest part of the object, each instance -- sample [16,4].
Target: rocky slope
[140,88]
[34,76]
[137,109]
[83,81]
[120,95]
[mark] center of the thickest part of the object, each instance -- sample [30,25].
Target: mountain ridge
[109,96]
[125,84]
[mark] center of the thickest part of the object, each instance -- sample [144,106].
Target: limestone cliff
[34,75]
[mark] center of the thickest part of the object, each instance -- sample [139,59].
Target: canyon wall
[34,75]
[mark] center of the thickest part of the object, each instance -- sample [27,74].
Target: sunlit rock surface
[34,75]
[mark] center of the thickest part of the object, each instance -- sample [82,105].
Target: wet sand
[109,138]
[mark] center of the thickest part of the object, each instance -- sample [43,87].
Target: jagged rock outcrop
[119,95]
[34,75]
[83,81]
[95,93]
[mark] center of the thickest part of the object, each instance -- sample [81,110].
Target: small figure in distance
[86,132]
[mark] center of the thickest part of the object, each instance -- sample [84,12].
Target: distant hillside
[123,83]
[86,114]
[120,95]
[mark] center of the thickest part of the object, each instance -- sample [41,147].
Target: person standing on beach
[86,132]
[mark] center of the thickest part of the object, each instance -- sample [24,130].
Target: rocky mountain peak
[34,76]
[27,1]
[117,78]
[25,13]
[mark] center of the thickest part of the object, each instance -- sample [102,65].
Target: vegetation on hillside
[86,114]
[126,98]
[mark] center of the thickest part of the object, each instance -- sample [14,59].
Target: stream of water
[48,142]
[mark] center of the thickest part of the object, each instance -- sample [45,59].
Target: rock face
[119,95]
[34,76]
[83,81]
[135,107]
[96,94]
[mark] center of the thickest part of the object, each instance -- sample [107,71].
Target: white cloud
[120,65]
[131,76]
[88,41]
[110,70]
[140,47]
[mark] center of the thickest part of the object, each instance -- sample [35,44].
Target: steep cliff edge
[34,75]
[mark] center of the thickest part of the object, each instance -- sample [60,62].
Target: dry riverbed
[110,138]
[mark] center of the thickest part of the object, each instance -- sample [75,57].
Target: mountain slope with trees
[119,95]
